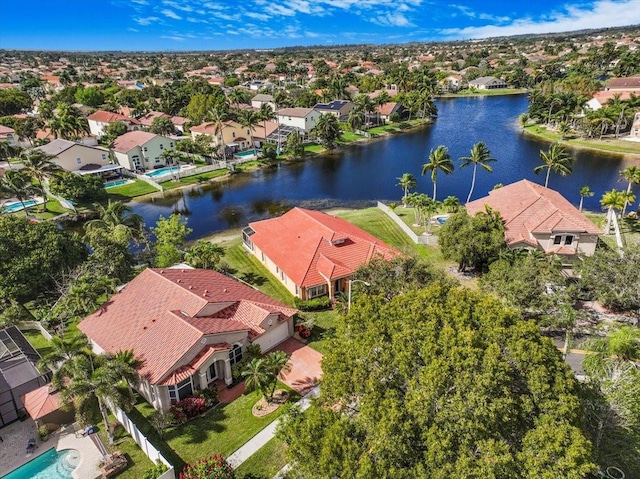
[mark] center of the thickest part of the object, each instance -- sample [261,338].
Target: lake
[359,174]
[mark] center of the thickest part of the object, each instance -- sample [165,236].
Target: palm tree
[117,218]
[407,182]
[556,159]
[249,119]
[357,118]
[39,165]
[611,355]
[439,159]
[257,376]
[218,116]
[96,380]
[366,104]
[266,114]
[276,362]
[17,184]
[585,192]
[328,130]
[451,204]
[61,351]
[480,155]
[632,175]
[611,201]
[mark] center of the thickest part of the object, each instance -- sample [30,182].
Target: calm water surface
[358,175]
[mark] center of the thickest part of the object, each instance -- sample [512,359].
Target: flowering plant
[214,467]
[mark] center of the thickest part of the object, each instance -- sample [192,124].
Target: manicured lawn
[249,165]
[131,190]
[349,136]
[476,92]
[138,462]
[223,430]
[265,463]
[606,144]
[629,227]
[192,180]
[38,341]
[313,147]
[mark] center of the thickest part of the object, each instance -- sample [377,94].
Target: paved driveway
[305,366]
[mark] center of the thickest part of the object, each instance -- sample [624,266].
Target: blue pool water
[242,154]
[441,219]
[111,184]
[163,171]
[18,206]
[50,465]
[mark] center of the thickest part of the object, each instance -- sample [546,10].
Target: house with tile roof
[312,253]
[187,327]
[236,137]
[540,218]
[8,134]
[79,158]
[99,120]
[140,150]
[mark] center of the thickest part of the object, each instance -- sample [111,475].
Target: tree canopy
[440,383]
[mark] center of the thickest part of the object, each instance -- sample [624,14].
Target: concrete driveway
[305,366]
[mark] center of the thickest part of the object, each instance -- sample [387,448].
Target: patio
[16,436]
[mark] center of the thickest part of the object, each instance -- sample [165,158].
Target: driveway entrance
[305,366]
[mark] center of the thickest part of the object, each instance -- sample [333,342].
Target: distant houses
[338,108]
[487,83]
[99,120]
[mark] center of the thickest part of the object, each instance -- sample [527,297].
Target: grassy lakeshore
[476,92]
[607,145]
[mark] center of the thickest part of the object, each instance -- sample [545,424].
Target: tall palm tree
[17,184]
[96,380]
[585,192]
[480,155]
[266,114]
[357,118]
[407,182]
[611,201]
[218,116]
[39,165]
[117,218]
[61,351]
[249,119]
[366,104]
[556,159]
[439,160]
[632,175]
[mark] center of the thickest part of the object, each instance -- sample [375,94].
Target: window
[171,145]
[568,240]
[235,355]
[181,390]
[104,156]
[316,291]
[161,146]
[212,373]
[233,134]
[262,256]
[557,239]
[144,149]
[79,161]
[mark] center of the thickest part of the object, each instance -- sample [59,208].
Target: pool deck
[16,436]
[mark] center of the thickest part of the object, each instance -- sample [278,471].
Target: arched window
[235,355]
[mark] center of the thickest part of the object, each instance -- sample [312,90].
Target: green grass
[313,147]
[606,144]
[629,227]
[265,463]
[349,136]
[222,431]
[38,341]
[477,92]
[192,180]
[138,462]
[131,190]
[249,165]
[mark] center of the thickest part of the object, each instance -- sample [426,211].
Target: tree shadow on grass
[199,429]
[253,278]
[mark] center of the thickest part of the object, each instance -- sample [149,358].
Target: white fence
[144,178]
[34,325]
[418,239]
[151,452]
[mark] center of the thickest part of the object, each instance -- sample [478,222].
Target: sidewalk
[264,436]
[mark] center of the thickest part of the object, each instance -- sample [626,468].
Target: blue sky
[232,24]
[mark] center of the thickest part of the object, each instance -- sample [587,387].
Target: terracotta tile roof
[162,314]
[528,208]
[386,109]
[211,128]
[311,246]
[4,130]
[190,369]
[179,120]
[632,83]
[102,116]
[294,112]
[147,119]
[264,129]
[128,141]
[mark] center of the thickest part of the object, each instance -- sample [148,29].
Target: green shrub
[155,471]
[315,304]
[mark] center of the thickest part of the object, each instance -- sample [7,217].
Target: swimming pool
[441,219]
[163,171]
[111,184]
[243,154]
[49,465]
[17,206]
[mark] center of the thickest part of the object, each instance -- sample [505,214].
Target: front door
[336,287]
[212,373]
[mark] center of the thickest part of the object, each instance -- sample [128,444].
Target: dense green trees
[295,146]
[204,254]
[162,125]
[14,101]
[440,383]
[473,241]
[171,234]
[78,188]
[328,130]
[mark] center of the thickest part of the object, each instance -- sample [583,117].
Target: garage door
[272,338]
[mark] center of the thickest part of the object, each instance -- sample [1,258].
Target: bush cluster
[315,304]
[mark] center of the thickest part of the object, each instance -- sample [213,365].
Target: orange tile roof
[131,139]
[190,369]
[102,116]
[528,208]
[162,314]
[311,246]
[147,119]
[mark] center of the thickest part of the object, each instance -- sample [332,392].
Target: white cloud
[171,14]
[598,14]
[140,2]
[145,20]
[178,6]
[258,16]
[132,29]
[176,38]
[392,20]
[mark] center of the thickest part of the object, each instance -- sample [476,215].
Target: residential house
[147,119]
[635,126]
[140,150]
[304,119]
[187,328]
[236,137]
[338,108]
[179,122]
[312,253]
[453,83]
[601,98]
[391,108]
[487,83]
[79,158]
[540,218]
[631,84]
[99,120]
[18,373]
[9,135]
[260,99]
